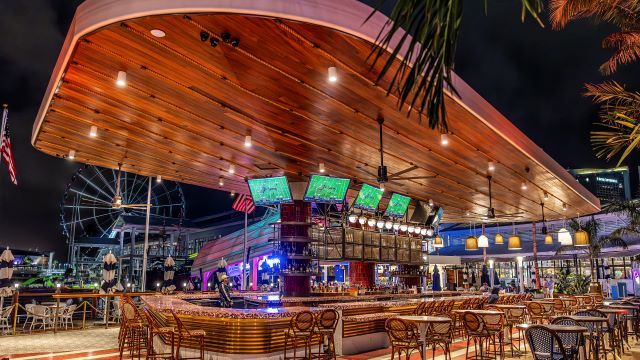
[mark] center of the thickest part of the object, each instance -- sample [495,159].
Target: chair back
[6,311]
[571,340]
[150,319]
[69,310]
[328,319]
[428,307]
[129,311]
[473,324]
[559,305]
[544,343]
[440,329]
[302,322]
[449,307]
[535,309]
[419,310]
[40,311]
[399,330]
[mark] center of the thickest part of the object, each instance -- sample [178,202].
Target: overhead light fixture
[232,169]
[247,141]
[430,231]
[546,196]
[380,224]
[582,238]
[410,228]
[499,239]
[431,202]
[333,74]
[437,242]
[548,239]
[403,227]
[564,237]
[382,186]
[371,222]
[471,243]
[444,139]
[233,193]
[491,166]
[72,154]
[221,181]
[483,241]
[396,226]
[94,131]
[514,242]
[388,225]
[321,167]
[362,220]
[423,232]
[564,206]
[523,186]
[417,230]
[121,80]
[158,33]
[159,178]
[353,218]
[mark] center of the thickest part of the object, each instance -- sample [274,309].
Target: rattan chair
[133,333]
[326,323]
[165,333]
[515,316]
[428,307]
[440,334]
[419,310]
[545,344]
[536,312]
[300,331]
[570,341]
[404,337]
[484,329]
[192,336]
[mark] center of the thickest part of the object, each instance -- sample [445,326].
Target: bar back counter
[259,333]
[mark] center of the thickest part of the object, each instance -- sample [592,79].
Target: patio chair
[404,336]
[428,307]
[597,331]
[536,312]
[29,314]
[5,317]
[440,334]
[299,331]
[419,310]
[515,316]
[189,335]
[571,341]
[483,329]
[41,317]
[326,323]
[65,317]
[545,344]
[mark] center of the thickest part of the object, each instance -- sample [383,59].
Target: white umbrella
[6,272]
[109,273]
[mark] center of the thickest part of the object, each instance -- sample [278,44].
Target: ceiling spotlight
[444,139]
[72,154]
[388,225]
[396,226]
[204,36]
[523,186]
[546,196]
[121,80]
[247,141]
[429,232]
[221,181]
[362,220]
[333,74]
[232,169]
[491,166]
[371,222]
[403,227]
[158,33]
[564,206]
[159,178]
[94,131]
[380,224]
[353,218]
[321,167]
[214,42]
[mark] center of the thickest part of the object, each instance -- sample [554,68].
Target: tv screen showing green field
[397,205]
[270,191]
[368,198]
[326,189]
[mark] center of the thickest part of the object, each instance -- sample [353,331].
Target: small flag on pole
[6,154]
[244,203]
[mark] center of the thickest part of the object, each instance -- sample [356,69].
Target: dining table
[423,325]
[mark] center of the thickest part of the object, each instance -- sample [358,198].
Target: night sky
[533,75]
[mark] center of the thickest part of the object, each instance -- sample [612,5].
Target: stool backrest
[473,323]
[400,330]
[328,319]
[303,321]
[419,310]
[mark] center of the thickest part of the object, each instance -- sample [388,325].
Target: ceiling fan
[490,215]
[382,176]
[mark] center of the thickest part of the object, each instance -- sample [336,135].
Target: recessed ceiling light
[158,33]
[72,154]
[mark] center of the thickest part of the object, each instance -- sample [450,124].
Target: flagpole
[244,252]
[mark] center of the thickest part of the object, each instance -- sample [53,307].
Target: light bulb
[396,226]
[232,169]
[417,230]
[321,167]
[221,181]
[362,220]
[410,228]
[121,80]
[159,178]
[371,222]
[72,154]
[353,218]
[430,232]
[491,166]
[388,225]
[403,227]
[423,232]
[523,186]
[333,74]
[247,141]
[94,131]
[380,224]
[546,196]
[444,139]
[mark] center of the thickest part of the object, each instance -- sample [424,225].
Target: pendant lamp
[564,237]
[499,239]
[438,243]
[548,239]
[471,243]
[483,241]
[514,242]
[582,238]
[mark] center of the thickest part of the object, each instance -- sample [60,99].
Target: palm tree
[427,32]
[596,242]
[619,121]
[629,212]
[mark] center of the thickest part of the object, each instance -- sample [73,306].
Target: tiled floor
[102,344]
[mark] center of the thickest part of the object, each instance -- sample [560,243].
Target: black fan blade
[402,172]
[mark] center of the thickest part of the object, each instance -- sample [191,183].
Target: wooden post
[55,316]
[106,312]
[16,303]
[535,257]
[84,313]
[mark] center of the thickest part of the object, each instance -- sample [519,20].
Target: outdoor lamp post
[520,273]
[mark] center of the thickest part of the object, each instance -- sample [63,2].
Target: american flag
[244,203]
[6,154]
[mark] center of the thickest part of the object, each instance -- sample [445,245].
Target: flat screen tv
[326,189]
[368,198]
[270,191]
[397,206]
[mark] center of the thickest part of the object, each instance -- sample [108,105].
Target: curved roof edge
[344,15]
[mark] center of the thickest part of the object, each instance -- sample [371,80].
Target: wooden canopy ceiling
[188,106]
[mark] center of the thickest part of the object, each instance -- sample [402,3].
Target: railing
[88,305]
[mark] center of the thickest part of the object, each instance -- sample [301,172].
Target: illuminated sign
[613,181]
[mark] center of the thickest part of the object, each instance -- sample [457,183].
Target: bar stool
[300,330]
[404,336]
[483,329]
[440,334]
[154,329]
[536,312]
[133,332]
[185,334]
[326,323]
[515,316]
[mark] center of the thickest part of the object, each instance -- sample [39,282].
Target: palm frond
[623,13]
[565,249]
[613,240]
[424,36]
[628,50]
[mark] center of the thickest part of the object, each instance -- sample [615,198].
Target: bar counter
[259,333]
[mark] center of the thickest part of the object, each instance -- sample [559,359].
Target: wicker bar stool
[326,323]
[404,336]
[133,332]
[164,332]
[188,335]
[485,331]
[300,330]
[440,334]
[515,316]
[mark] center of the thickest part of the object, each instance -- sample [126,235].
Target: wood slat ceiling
[187,107]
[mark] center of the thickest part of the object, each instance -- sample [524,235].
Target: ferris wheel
[96,197]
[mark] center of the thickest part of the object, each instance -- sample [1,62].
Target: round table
[423,324]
